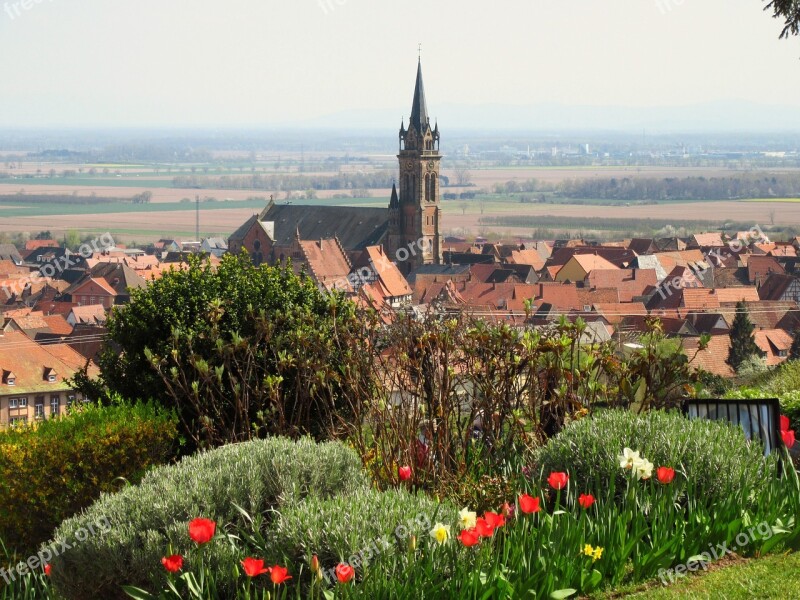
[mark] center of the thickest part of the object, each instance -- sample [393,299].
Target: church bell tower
[414,210]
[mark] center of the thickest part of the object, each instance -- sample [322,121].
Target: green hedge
[150,519]
[716,455]
[51,470]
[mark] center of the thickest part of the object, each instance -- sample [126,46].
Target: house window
[783,353]
[38,409]
[70,400]
[55,405]
[18,420]
[12,403]
[23,402]
[11,381]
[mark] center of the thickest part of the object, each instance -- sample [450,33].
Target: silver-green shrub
[148,521]
[357,528]
[714,455]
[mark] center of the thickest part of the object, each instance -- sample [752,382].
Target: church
[409,230]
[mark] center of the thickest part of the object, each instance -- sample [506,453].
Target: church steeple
[414,209]
[419,108]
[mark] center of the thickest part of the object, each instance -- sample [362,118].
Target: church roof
[355,227]
[419,110]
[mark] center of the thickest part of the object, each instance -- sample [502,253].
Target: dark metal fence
[759,418]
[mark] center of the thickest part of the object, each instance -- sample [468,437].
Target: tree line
[688,188]
[282,182]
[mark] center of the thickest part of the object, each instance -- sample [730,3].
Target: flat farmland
[166,215]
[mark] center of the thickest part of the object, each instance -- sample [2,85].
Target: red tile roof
[390,277]
[327,263]
[713,358]
[28,360]
[629,283]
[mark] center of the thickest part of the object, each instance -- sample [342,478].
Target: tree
[72,239]
[789,11]
[743,342]
[238,351]
[794,353]
[463,174]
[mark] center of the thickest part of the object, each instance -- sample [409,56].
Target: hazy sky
[267,62]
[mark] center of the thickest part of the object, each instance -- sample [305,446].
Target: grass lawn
[776,576]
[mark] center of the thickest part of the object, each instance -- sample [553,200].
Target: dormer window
[9,378]
[50,374]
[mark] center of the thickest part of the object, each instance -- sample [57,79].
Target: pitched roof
[28,360]
[765,314]
[57,324]
[327,263]
[642,245]
[91,314]
[355,227]
[772,342]
[736,294]
[711,359]
[761,267]
[775,287]
[389,276]
[590,262]
[708,239]
[630,283]
[699,299]
[526,257]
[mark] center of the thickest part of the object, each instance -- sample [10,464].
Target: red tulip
[784,423]
[47,569]
[665,475]
[494,520]
[469,537]
[202,530]
[279,574]
[529,504]
[173,563]
[344,573]
[253,567]
[558,481]
[483,528]
[404,473]
[788,438]
[508,510]
[585,500]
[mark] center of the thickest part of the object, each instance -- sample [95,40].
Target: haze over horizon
[667,64]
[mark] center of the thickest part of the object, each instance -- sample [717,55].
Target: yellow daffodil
[467,518]
[588,550]
[598,552]
[441,533]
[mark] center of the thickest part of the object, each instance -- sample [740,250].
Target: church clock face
[431,165]
[409,165]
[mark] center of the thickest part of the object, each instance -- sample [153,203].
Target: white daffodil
[467,518]
[644,469]
[628,458]
[441,533]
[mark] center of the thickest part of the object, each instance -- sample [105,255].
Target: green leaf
[561,594]
[137,593]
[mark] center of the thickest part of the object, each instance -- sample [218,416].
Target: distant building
[409,230]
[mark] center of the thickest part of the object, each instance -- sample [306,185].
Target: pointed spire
[395,201]
[419,110]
